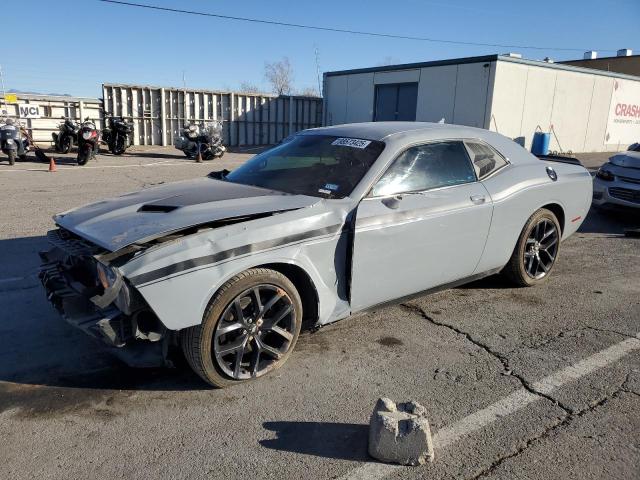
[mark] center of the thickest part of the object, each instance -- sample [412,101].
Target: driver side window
[425,167]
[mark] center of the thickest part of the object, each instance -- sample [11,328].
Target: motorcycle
[13,141]
[66,136]
[88,141]
[117,135]
[205,139]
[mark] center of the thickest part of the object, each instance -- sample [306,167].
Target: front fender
[179,278]
[180,301]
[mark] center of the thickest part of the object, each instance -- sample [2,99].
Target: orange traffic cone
[52,165]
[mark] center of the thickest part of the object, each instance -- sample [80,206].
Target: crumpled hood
[141,216]
[626,159]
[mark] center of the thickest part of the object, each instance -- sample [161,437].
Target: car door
[424,224]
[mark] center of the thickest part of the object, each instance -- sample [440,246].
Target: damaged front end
[83,283]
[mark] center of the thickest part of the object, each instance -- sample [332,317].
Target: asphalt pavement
[530,383]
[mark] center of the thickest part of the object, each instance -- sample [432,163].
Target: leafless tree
[309,92]
[247,87]
[280,75]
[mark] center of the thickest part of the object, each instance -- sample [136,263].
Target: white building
[585,110]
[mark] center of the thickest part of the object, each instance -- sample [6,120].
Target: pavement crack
[608,330]
[504,361]
[561,422]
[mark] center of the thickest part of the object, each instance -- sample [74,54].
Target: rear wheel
[12,157]
[537,250]
[249,329]
[65,144]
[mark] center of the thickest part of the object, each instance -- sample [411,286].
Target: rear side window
[484,158]
[425,167]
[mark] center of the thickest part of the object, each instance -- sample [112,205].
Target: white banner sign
[623,126]
[27,110]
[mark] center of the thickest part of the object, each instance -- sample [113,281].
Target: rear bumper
[120,320]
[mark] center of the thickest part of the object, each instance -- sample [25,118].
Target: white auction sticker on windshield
[351,142]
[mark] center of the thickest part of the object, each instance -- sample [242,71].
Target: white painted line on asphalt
[507,405]
[78,168]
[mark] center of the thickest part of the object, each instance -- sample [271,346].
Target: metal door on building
[396,101]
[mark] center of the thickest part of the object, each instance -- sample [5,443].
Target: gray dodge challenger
[331,222]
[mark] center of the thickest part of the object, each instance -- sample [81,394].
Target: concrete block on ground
[400,433]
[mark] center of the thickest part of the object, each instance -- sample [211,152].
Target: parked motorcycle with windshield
[117,134]
[205,139]
[88,141]
[66,136]
[14,143]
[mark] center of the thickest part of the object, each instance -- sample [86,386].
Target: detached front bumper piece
[117,316]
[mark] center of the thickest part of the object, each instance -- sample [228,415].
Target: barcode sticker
[351,142]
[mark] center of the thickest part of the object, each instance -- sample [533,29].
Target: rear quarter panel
[519,190]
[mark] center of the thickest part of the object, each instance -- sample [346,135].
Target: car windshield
[317,165]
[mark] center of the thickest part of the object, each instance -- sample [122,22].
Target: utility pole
[318,72]
[184,97]
[4,94]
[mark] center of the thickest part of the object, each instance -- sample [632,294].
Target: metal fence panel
[53,109]
[158,114]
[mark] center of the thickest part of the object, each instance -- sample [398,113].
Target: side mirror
[392,202]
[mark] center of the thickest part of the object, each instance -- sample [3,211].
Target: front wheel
[12,157]
[84,155]
[537,250]
[119,146]
[249,329]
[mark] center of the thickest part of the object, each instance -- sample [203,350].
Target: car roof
[404,133]
[381,130]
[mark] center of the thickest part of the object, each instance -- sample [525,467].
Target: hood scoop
[154,208]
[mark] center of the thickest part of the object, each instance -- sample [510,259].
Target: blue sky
[73,46]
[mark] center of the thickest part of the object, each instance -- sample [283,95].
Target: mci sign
[26,110]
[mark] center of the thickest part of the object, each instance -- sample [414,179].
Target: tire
[65,144]
[56,145]
[12,157]
[119,146]
[23,157]
[537,250]
[84,154]
[204,345]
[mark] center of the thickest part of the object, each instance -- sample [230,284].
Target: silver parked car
[331,222]
[617,183]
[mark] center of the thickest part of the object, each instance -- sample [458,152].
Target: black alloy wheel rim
[541,249]
[254,333]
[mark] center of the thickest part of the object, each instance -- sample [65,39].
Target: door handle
[478,199]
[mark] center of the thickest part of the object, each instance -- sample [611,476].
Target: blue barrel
[540,143]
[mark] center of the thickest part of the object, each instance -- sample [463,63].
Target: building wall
[628,65]
[457,93]
[573,106]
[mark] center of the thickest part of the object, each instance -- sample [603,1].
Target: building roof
[481,59]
